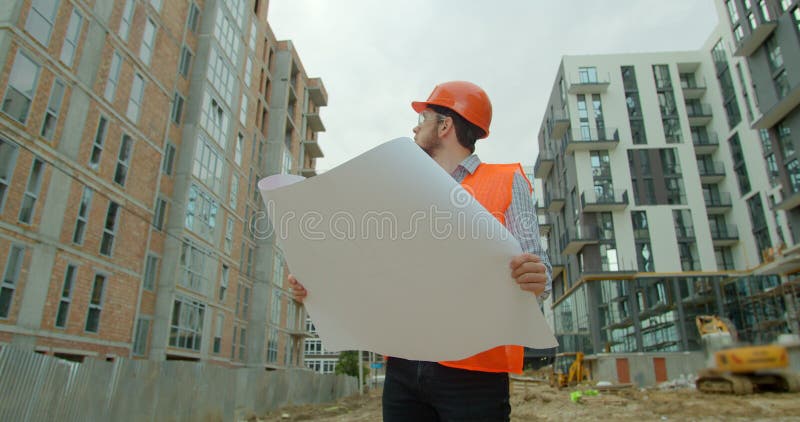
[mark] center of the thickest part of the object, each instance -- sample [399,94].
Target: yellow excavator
[741,369]
[576,373]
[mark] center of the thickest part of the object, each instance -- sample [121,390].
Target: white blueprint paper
[398,259]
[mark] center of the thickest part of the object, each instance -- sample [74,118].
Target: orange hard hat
[465,98]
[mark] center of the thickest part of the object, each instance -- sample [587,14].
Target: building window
[156,4]
[726,85]
[732,13]
[41,18]
[21,87]
[243,111]
[233,342]
[793,168]
[193,262]
[217,346]
[135,100]
[123,160]
[252,42]
[275,308]
[796,18]
[785,4]
[587,75]
[83,216]
[8,160]
[229,235]
[242,342]
[53,109]
[71,37]
[95,304]
[759,224]
[186,329]
[746,96]
[97,145]
[739,165]
[225,34]
[125,20]
[150,272]
[208,165]
[272,345]
[10,279]
[141,336]
[248,72]
[113,77]
[234,191]
[159,214]
[724,258]
[169,159]
[239,147]
[109,229]
[194,17]
[785,140]
[223,283]
[214,120]
[773,174]
[246,303]
[148,42]
[185,62]
[762,5]
[201,213]
[177,108]
[220,75]
[26,211]
[66,296]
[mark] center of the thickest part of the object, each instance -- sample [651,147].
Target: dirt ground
[531,401]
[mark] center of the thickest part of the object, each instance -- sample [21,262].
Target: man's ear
[445,126]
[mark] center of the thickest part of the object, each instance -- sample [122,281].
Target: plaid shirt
[521,218]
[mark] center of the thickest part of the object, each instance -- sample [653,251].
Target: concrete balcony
[724,236]
[560,123]
[750,43]
[777,112]
[312,148]
[711,173]
[593,201]
[699,114]
[308,172]
[718,204]
[595,85]
[315,122]
[693,91]
[705,144]
[790,202]
[606,138]
[317,92]
[544,163]
[557,262]
[545,225]
[574,242]
[554,201]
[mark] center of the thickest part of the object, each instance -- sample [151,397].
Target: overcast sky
[375,57]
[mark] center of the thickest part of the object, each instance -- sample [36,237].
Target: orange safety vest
[491,184]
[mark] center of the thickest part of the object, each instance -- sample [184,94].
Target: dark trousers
[428,391]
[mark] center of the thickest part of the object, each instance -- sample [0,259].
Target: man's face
[426,132]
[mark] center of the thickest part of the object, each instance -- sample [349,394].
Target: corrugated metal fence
[35,387]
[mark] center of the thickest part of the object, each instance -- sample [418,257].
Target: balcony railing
[558,123]
[575,240]
[699,114]
[544,163]
[711,172]
[591,84]
[706,143]
[692,90]
[604,200]
[554,201]
[717,203]
[724,235]
[587,139]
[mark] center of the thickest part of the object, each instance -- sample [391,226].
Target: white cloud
[375,57]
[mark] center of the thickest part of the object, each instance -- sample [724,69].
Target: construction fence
[35,387]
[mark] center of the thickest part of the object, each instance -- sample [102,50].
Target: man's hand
[298,291]
[529,273]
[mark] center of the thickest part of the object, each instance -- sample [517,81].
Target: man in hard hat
[451,120]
